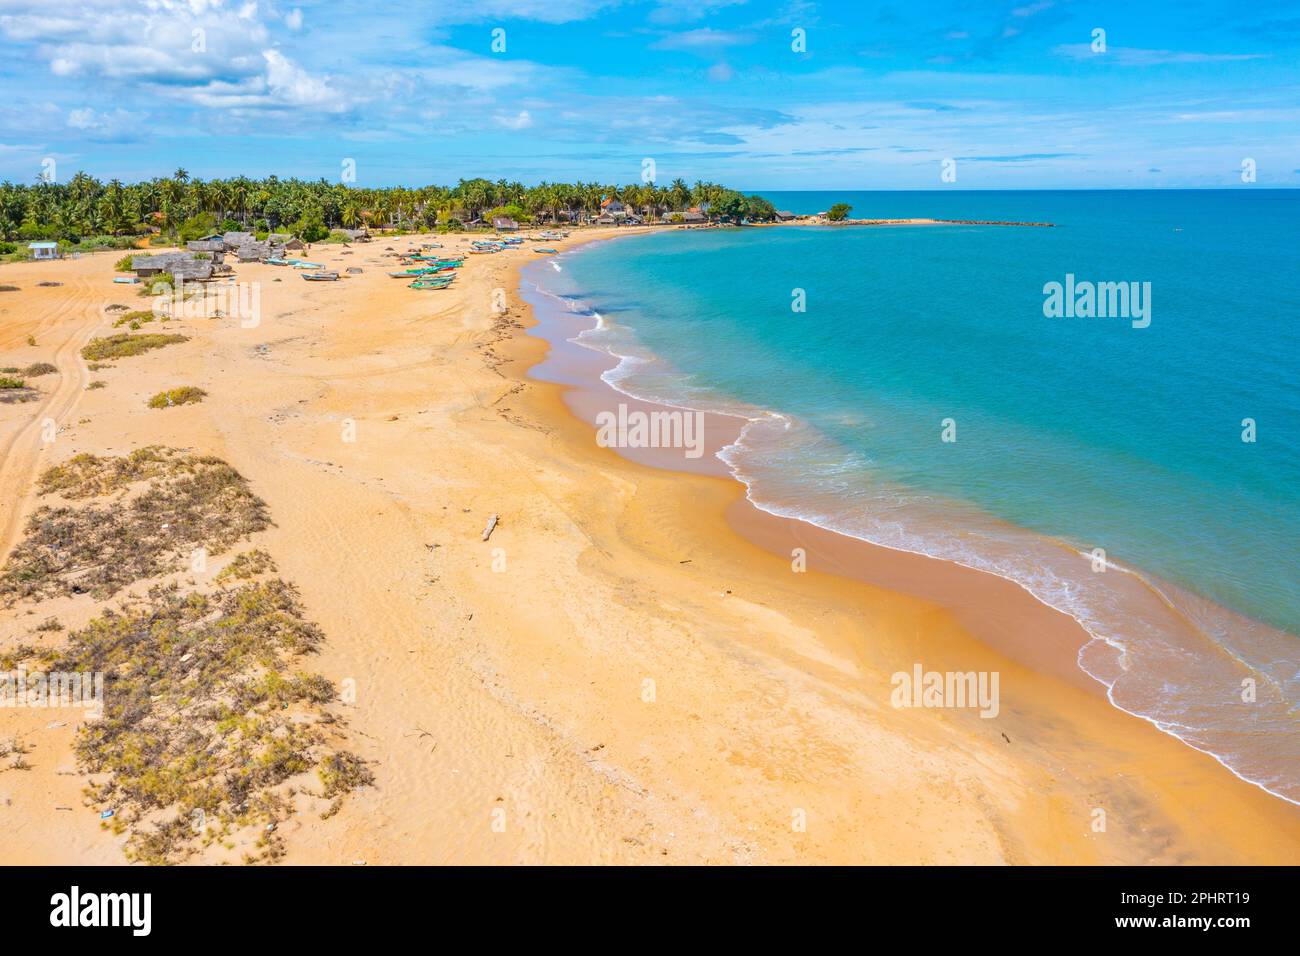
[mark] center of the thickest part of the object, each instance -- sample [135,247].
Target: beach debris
[105,814]
[491,526]
[1005,737]
[358,862]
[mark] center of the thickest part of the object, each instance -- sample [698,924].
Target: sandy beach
[629,670]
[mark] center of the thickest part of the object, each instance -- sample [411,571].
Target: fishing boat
[549,252]
[276,262]
[320,276]
[301,264]
[429,285]
[126,280]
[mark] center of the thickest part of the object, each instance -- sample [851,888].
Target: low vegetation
[211,732]
[37,369]
[14,390]
[135,318]
[209,728]
[155,508]
[246,565]
[123,345]
[185,395]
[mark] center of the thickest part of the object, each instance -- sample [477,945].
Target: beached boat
[276,262]
[126,280]
[320,276]
[303,264]
[549,252]
[431,283]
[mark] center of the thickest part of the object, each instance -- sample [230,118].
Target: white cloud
[293,19]
[1133,56]
[520,121]
[705,38]
[100,125]
[543,11]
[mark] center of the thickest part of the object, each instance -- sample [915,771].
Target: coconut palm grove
[85,212]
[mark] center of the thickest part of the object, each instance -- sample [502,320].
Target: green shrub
[135,318]
[124,344]
[185,395]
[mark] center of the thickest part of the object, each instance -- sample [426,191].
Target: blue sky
[879,97]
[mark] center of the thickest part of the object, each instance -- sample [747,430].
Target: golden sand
[628,671]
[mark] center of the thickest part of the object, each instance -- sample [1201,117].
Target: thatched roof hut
[192,269]
[254,251]
[152,265]
[180,264]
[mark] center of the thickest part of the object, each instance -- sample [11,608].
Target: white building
[44,250]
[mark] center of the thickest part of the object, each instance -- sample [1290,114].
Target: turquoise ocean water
[1072,434]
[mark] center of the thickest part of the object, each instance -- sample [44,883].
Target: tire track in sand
[20,452]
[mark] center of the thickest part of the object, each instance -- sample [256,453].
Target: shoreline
[618,671]
[1018,630]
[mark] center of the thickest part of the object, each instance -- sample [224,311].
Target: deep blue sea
[1098,461]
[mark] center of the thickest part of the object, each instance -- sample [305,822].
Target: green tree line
[180,205]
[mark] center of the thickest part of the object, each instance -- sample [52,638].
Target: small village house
[44,250]
[613,209]
[504,224]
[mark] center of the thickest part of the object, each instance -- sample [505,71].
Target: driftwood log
[491,526]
